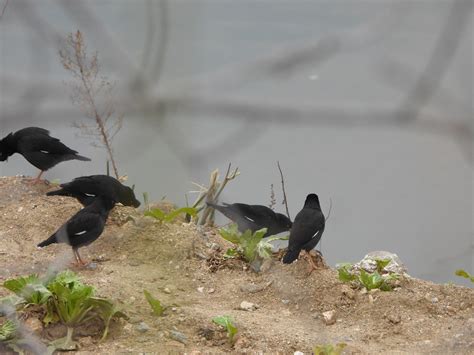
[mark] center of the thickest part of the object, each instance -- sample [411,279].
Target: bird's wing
[258,214]
[37,142]
[307,228]
[82,225]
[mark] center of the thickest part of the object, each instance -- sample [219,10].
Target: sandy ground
[181,265]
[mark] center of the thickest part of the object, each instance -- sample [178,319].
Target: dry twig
[285,201]
[87,93]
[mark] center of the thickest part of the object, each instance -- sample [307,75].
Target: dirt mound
[182,265]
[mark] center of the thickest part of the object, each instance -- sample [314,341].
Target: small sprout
[381,263]
[155,304]
[465,274]
[228,324]
[329,349]
[231,253]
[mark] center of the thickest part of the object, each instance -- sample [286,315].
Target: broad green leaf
[30,288]
[365,280]
[345,275]
[156,213]
[155,304]
[17,285]
[230,234]
[11,301]
[8,331]
[183,210]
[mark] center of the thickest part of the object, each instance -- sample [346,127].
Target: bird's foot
[311,263]
[279,254]
[318,259]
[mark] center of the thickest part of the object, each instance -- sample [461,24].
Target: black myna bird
[254,217]
[308,227]
[38,147]
[87,188]
[84,227]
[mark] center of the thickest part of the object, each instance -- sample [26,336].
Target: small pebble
[143,327]
[178,336]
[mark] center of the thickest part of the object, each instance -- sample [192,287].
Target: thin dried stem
[285,201]
[84,69]
[330,209]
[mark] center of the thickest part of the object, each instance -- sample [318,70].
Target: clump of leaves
[368,280]
[154,303]
[329,349]
[66,299]
[229,326]
[248,245]
[170,217]
[465,274]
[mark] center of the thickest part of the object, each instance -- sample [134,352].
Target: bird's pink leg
[38,178]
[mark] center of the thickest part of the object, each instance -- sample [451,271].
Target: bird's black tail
[60,192]
[48,241]
[216,206]
[290,256]
[80,157]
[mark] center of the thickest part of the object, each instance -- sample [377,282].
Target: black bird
[38,147]
[84,227]
[254,217]
[308,227]
[87,188]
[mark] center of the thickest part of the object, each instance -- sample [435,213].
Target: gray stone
[248,306]
[254,288]
[178,336]
[369,264]
[142,327]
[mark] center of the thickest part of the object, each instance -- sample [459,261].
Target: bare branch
[74,58]
[285,201]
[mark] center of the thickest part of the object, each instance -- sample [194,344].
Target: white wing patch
[81,233]
[250,219]
[44,151]
[315,234]
[90,195]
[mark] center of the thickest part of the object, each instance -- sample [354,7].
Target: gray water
[406,187]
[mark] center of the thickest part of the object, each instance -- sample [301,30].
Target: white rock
[248,306]
[329,317]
